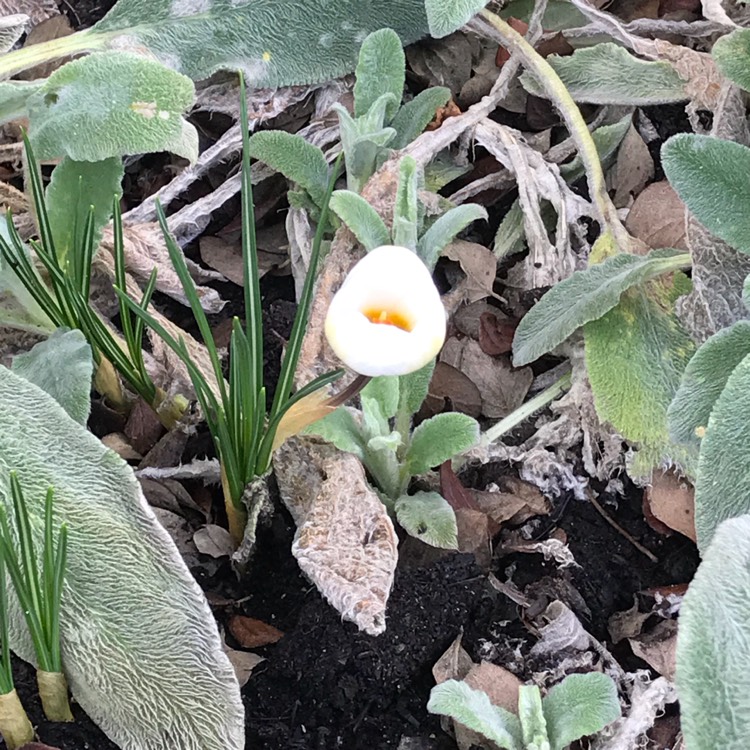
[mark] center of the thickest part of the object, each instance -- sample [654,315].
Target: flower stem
[555,89]
[524,411]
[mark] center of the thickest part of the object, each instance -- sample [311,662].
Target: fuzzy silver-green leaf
[140,647]
[63,367]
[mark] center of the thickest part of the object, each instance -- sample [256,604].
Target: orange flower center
[389,318]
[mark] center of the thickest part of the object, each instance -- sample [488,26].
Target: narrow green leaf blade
[586,296]
[473,709]
[75,186]
[704,379]
[429,517]
[199,38]
[141,649]
[62,366]
[298,160]
[732,55]
[582,704]
[722,487]
[132,105]
[439,438]
[635,357]
[713,661]
[363,220]
[710,176]
[446,16]
[380,70]
[608,74]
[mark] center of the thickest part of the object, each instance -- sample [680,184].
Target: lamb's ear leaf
[446,16]
[722,486]
[298,160]
[473,709]
[141,649]
[414,116]
[439,438]
[703,381]
[710,176]
[582,704]
[429,517]
[342,430]
[380,70]
[444,231]
[63,367]
[713,661]
[732,55]
[361,218]
[414,386]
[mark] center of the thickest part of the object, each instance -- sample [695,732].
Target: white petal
[392,279]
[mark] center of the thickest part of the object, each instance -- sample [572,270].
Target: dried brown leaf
[658,648]
[474,535]
[503,388]
[143,427]
[345,541]
[480,266]
[119,443]
[214,541]
[633,169]
[252,633]
[145,250]
[450,387]
[671,499]
[515,504]
[657,217]
[243,662]
[495,334]
[454,664]
[627,624]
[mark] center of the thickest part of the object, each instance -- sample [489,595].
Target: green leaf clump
[378,125]
[381,436]
[579,706]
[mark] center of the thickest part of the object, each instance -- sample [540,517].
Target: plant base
[14,724]
[53,690]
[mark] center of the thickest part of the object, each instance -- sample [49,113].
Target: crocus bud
[387,317]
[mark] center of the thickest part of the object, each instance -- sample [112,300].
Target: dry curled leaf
[657,217]
[252,633]
[480,266]
[671,499]
[503,388]
[345,541]
[145,250]
[495,334]
[633,169]
[244,662]
[658,648]
[450,388]
[214,541]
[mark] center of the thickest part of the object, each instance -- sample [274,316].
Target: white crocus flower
[387,317]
